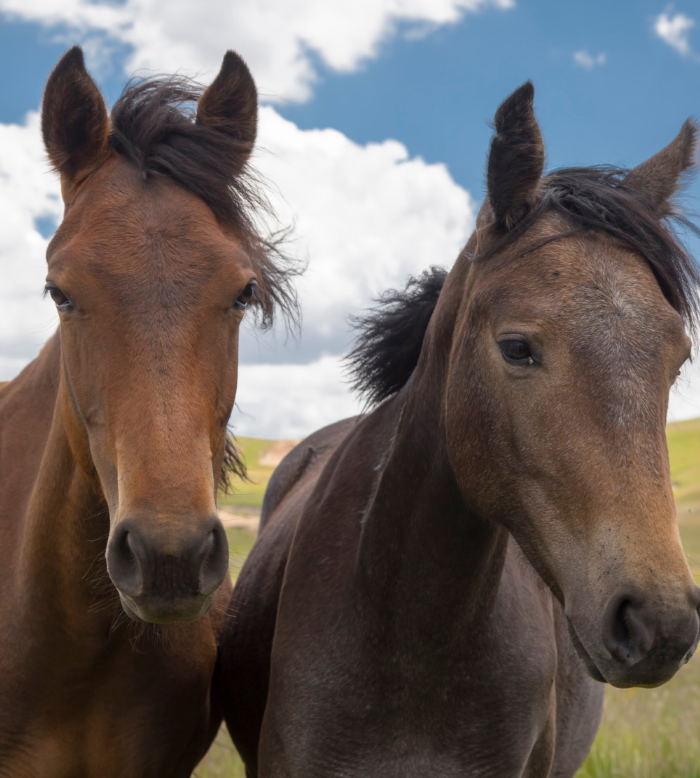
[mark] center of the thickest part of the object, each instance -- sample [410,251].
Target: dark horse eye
[516,351]
[62,302]
[245,297]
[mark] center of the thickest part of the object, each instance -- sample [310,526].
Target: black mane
[592,199]
[390,336]
[597,199]
[153,125]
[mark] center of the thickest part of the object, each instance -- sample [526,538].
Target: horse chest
[386,742]
[478,709]
[131,709]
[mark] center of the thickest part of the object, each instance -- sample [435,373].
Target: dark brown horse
[112,441]
[440,585]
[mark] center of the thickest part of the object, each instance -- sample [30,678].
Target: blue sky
[437,94]
[435,89]
[376,135]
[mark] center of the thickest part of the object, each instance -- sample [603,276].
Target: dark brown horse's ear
[74,120]
[516,160]
[230,104]
[658,178]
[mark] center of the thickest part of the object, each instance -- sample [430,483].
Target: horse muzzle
[641,642]
[164,578]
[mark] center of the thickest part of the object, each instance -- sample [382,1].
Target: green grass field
[247,495]
[684,449]
[645,733]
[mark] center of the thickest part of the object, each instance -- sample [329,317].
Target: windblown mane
[596,198]
[390,336]
[153,124]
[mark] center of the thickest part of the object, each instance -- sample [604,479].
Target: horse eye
[516,351]
[245,296]
[62,302]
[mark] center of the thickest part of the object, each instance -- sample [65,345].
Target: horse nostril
[626,634]
[214,560]
[122,562]
[152,568]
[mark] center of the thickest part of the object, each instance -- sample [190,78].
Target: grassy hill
[684,452]
[247,496]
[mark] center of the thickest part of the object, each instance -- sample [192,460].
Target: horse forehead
[122,226]
[587,283]
[121,202]
[614,300]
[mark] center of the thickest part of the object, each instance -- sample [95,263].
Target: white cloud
[314,395]
[28,191]
[278,38]
[675,30]
[588,61]
[685,396]
[365,216]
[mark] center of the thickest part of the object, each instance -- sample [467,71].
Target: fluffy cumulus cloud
[685,397]
[675,30]
[278,38]
[291,400]
[28,193]
[365,218]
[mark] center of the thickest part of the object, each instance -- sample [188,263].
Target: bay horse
[113,563]
[440,585]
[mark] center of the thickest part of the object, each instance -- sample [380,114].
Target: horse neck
[425,558]
[66,520]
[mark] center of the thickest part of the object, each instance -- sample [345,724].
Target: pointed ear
[230,105]
[658,178]
[74,120]
[516,160]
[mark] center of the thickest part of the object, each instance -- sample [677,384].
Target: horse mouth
[585,657]
[165,615]
[129,608]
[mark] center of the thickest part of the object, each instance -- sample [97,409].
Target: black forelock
[153,125]
[596,199]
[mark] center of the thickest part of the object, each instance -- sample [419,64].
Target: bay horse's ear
[516,160]
[658,178]
[74,120]
[230,105]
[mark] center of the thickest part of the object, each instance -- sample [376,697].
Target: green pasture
[246,496]
[684,450]
[645,733]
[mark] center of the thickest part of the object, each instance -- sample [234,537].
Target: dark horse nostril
[626,634]
[122,562]
[214,560]
[140,567]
